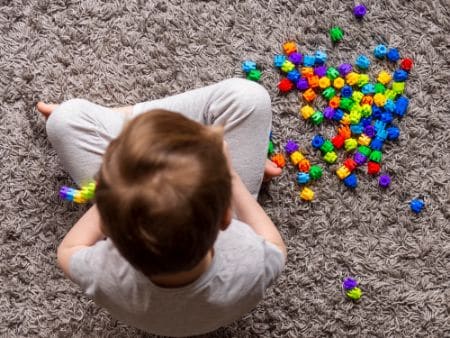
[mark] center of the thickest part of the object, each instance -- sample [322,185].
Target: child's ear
[226,221]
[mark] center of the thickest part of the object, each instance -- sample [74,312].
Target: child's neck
[186,277]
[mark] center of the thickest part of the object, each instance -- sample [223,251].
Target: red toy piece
[350,164]
[373,168]
[338,141]
[285,85]
[406,64]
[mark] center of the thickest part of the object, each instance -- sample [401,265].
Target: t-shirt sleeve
[274,262]
[85,265]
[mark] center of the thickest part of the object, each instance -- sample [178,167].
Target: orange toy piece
[334,102]
[309,95]
[313,81]
[307,71]
[289,47]
[345,132]
[304,165]
[367,99]
[279,160]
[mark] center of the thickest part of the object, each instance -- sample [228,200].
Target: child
[176,243]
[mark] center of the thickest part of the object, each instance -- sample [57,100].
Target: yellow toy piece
[398,87]
[343,172]
[379,99]
[307,194]
[350,144]
[330,157]
[357,96]
[287,66]
[384,77]
[338,83]
[306,112]
[363,79]
[364,140]
[352,78]
[296,157]
[324,82]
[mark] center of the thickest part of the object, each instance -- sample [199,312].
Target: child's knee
[64,118]
[250,96]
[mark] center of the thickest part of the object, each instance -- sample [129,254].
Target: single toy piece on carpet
[336,34]
[417,205]
[307,194]
[351,289]
[384,181]
[359,11]
[83,195]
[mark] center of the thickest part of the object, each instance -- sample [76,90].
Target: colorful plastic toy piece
[367,89]
[359,158]
[271,148]
[307,71]
[324,82]
[384,181]
[380,51]
[279,160]
[248,65]
[304,165]
[400,75]
[330,157]
[287,66]
[345,132]
[309,60]
[320,57]
[376,144]
[350,164]
[307,194]
[254,75]
[326,147]
[338,83]
[290,147]
[393,133]
[278,60]
[317,117]
[349,283]
[317,141]
[303,178]
[315,172]
[289,47]
[384,77]
[369,130]
[83,195]
[359,11]
[313,81]
[332,73]
[328,93]
[336,34]
[334,102]
[344,69]
[379,88]
[346,91]
[393,55]
[296,157]
[302,84]
[417,205]
[343,172]
[328,112]
[293,75]
[338,115]
[306,111]
[351,181]
[401,105]
[373,168]
[296,58]
[356,128]
[406,64]
[364,140]
[363,79]
[362,62]
[352,78]
[379,99]
[338,141]
[320,70]
[364,150]
[350,144]
[285,85]
[375,156]
[309,95]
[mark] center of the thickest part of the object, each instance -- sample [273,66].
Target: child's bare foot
[45,108]
[270,170]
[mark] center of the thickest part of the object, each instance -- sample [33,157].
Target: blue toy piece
[368,88]
[376,144]
[338,115]
[379,125]
[309,60]
[351,181]
[382,134]
[320,57]
[389,106]
[376,112]
[346,91]
[303,178]
[366,121]
[362,62]
[417,205]
[387,117]
[356,128]
[400,75]
[380,51]
[278,60]
[401,105]
[393,55]
[317,141]
[293,75]
[248,65]
[393,133]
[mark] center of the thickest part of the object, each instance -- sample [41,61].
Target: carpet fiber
[119,53]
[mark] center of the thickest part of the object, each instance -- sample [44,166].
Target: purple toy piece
[290,147]
[359,158]
[302,84]
[359,11]
[384,181]
[296,58]
[328,113]
[345,68]
[369,130]
[349,283]
[320,71]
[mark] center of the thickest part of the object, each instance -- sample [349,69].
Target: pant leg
[80,131]
[243,107]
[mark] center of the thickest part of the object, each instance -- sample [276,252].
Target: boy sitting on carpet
[160,248]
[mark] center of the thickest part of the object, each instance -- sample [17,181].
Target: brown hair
[163,190]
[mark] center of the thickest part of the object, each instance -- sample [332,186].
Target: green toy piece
[315,172]
[329,93]
[364,150]
[271,148]
[336,34]
[326,147]
[375,156]
[332,73]
[254,75]
[354,294]
[317,117]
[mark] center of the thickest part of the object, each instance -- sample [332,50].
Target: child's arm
[85,233]
[249,211]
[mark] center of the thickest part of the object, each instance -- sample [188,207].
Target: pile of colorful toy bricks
[83,195]
[251,71]
[365,110]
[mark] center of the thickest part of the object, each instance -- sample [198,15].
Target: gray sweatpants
[80,131]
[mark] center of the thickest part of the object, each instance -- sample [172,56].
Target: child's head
[163,191]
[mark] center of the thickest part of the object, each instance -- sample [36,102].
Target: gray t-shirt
[243,266]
